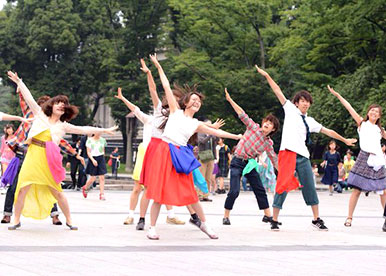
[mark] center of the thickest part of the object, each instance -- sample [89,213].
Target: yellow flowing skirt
[35,172]
[138,162]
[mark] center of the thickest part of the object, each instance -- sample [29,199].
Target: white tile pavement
[104,246]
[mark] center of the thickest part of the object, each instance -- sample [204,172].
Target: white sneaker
[209,231]
[152,234]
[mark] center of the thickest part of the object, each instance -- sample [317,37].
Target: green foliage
[88,48]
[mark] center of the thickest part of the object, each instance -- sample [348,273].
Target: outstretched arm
[202,128]
[218,124]
[7,117]
[235,106]
[275,88]
[172,102]
[119,96]
[331,133]
[144,118]
[25,92]
[358,119]
[150,83]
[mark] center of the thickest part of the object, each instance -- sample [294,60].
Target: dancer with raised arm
[294,154]
[17,145]
[369,172]
[255,141]
[38,187]
[147,121]
[171,181]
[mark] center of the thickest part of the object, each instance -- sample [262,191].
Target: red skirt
[147,159]
[164,185]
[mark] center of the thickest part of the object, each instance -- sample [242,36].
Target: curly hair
[70,111]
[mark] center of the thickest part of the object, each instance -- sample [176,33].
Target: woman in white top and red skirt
[369,172]
[172,162]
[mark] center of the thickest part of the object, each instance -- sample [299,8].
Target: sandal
[14,227]
[74,228]
[348,222]
[6,219]
[84,192]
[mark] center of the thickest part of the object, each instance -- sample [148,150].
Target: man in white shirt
[294,154]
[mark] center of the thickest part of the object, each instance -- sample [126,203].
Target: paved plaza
[104,246]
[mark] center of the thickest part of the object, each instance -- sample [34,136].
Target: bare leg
[315,211]
[154,213]
[267,212]
[221,183]
[190,209]
[353,202]
[169,207]
[383,199]
[63,204]
[276,212]
[227,213]
[199,211]
[89,181]
[101,184]
[135,195]
[144,204]
[19,205]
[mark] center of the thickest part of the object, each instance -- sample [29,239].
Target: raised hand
[14,77]
[144,68]
[333,92]
[218,124]
[227,96]
[154,59]
[119,95]
[111,130]
[261,71]
[350,142]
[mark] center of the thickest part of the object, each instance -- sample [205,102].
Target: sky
[2,2]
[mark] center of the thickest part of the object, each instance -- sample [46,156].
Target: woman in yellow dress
[39,187]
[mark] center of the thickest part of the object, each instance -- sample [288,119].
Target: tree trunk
[96,105]
[261,44]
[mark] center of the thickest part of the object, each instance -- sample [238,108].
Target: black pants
[237,167]
[75,167]
[10,197]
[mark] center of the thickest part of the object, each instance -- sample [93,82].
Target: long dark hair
[70,111]
[7,126]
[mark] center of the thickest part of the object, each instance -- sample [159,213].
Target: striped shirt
[254,142]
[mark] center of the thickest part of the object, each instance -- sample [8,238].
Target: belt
[38,143]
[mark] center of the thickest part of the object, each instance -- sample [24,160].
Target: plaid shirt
[254,142]
[22,131]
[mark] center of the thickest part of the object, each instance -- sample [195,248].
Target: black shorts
[98,170]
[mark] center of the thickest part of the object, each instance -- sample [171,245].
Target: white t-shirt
[157,121]
[1,116]
[370,141]
[147,125]
[97,147]
[179,128]
[294,131]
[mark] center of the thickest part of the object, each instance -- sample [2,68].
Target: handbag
[205,155]
[183,159]
[110,162]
